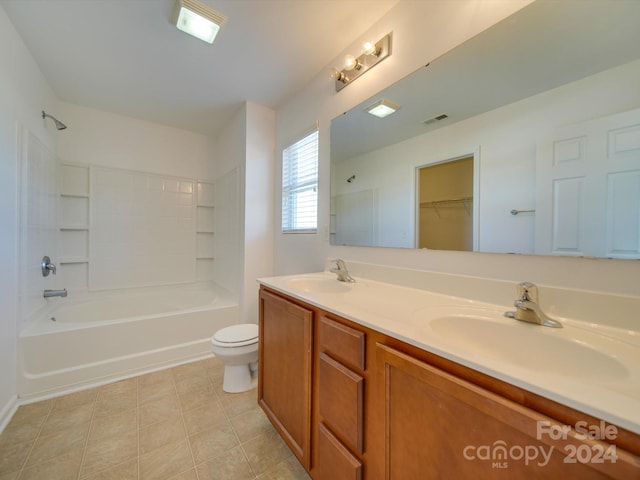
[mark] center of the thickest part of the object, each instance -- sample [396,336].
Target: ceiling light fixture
[372,54]
[382,108]
[197,19]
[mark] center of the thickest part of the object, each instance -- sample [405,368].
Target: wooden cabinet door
[437,426]
[284,369]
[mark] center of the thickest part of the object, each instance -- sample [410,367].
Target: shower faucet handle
[47,266]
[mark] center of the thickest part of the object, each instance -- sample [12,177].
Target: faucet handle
[340,266]
[527,291]
[47,266]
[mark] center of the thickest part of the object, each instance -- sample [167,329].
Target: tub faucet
[55,293]
[527,308]
[341,271]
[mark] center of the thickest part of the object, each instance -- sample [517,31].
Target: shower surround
[139,242]
[124,228]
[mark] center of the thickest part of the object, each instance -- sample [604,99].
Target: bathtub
[92,338]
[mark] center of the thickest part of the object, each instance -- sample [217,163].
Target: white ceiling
[126,57]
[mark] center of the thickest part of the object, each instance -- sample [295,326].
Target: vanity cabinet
[356,404]
[466,431]
[285,370]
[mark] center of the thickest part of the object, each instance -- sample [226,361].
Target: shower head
[59,124]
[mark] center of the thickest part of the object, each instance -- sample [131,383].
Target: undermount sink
[317,284]
[554,351]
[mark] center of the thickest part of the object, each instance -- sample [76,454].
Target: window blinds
[300,185]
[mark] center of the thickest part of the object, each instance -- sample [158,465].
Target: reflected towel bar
[516,212]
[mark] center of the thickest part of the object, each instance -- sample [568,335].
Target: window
[300,185]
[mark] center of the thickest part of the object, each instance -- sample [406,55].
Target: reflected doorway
[445,201]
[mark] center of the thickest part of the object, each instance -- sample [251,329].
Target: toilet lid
[237,335]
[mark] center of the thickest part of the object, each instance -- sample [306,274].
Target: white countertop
[592,368]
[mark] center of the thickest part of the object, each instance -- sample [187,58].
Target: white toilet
[237,347]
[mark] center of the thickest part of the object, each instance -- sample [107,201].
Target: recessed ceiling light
[383,108]
[198,19]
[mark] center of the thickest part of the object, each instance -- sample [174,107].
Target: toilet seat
[236,335]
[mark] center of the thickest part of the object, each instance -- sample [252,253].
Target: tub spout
[55,293]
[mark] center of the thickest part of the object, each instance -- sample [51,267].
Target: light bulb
[337,75]
[369,48]
[350,62]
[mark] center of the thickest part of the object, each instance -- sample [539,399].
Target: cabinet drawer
[335,462]
[342,342]
[341,401]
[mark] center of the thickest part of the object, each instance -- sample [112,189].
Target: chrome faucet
[527,308]
[341,271]
[55,293]
[47,266]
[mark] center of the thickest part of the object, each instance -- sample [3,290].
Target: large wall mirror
[524,139]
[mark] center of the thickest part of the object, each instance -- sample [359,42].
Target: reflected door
[588,189]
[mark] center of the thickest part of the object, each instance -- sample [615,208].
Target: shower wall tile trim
[122,228]
[38,224]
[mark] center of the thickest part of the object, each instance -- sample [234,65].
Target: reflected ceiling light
[372,54]
[199,20]
[383,108]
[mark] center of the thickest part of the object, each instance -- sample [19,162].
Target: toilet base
[238,379]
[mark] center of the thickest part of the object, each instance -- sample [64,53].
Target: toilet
[237,347]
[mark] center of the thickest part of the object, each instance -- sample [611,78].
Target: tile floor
[175,424]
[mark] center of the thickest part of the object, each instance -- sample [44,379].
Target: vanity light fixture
[372,54]
[382,108]
[199,20]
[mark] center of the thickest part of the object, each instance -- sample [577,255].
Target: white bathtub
[93,338]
